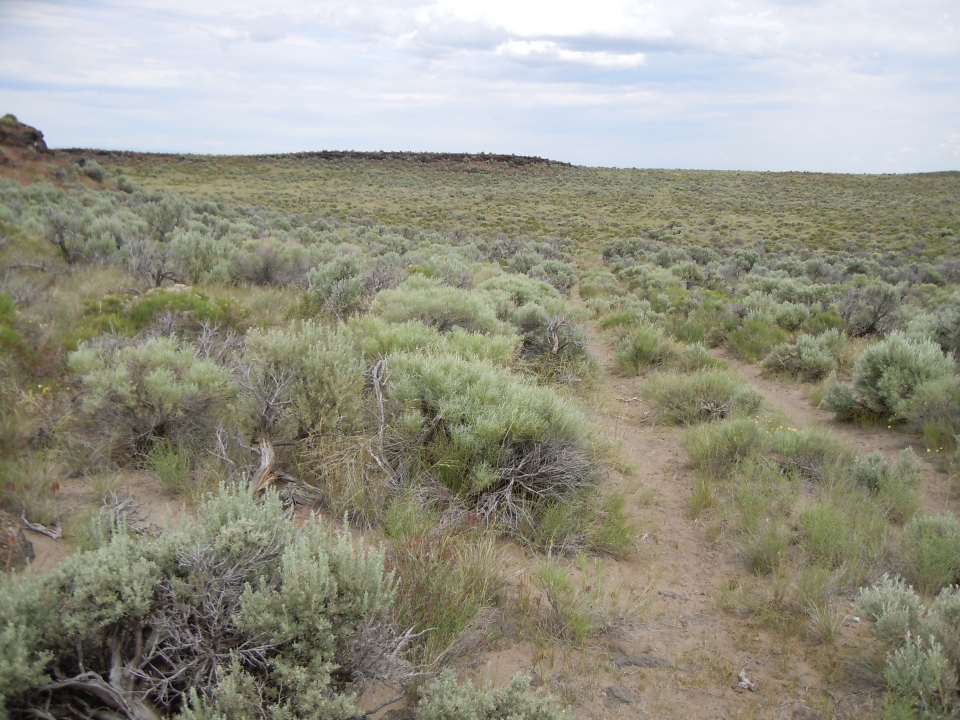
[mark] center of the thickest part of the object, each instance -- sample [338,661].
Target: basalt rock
[14,133]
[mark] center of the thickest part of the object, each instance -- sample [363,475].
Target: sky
[859,86]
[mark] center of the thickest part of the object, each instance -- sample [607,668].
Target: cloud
[547,51]
[764,84]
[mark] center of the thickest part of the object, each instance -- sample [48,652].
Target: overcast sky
[839,85]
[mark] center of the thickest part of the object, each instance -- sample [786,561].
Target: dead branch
[55,534]
[264,475]
[130,705]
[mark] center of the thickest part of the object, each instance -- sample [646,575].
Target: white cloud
[546,51]
[767,83]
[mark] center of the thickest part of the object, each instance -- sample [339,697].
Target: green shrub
[444,307]
[191,303]
[696,357]
[889,373]
[93,170]
[703,496]
[556,272]
[701,397]
[931,552]
[717,449]
[934,410]
[765,547]
[155,389]
[896,483]
[790,316]
[339,286]
[869,306]
[500,442]
[822,321]
[644,347]
[754,340]
[443,699]
[811,453]
[377,339]
[576,608]
[621,317]
[173,466]
[808,358]
[839,399]
[689,330]
[301,380]
[763,500]
[233,611]
[921,665]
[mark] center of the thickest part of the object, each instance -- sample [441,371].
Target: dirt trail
[681,575]
[685,573]
[791,400]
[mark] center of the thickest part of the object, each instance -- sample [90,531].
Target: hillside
[320,435]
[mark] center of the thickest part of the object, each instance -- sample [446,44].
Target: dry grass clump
[447,584]
[701,397]
[718,449]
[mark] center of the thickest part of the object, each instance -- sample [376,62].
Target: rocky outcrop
[14,133]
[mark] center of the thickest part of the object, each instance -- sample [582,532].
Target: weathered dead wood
[56,533]
[129,705]
[264,476]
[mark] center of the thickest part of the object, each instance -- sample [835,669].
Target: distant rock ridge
[14,133]
[424,158]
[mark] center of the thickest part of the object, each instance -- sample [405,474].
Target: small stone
[802,713]
[646,661]
[745,683]
[622,693]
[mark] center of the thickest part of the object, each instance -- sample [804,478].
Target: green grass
[718,449]
[448,581]
[754,340]
[931,553]
[714,207]
[644,347]
[701,397]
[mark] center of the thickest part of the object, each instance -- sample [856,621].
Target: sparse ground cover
[573,408]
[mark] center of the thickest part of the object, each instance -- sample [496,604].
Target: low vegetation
[400,344]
